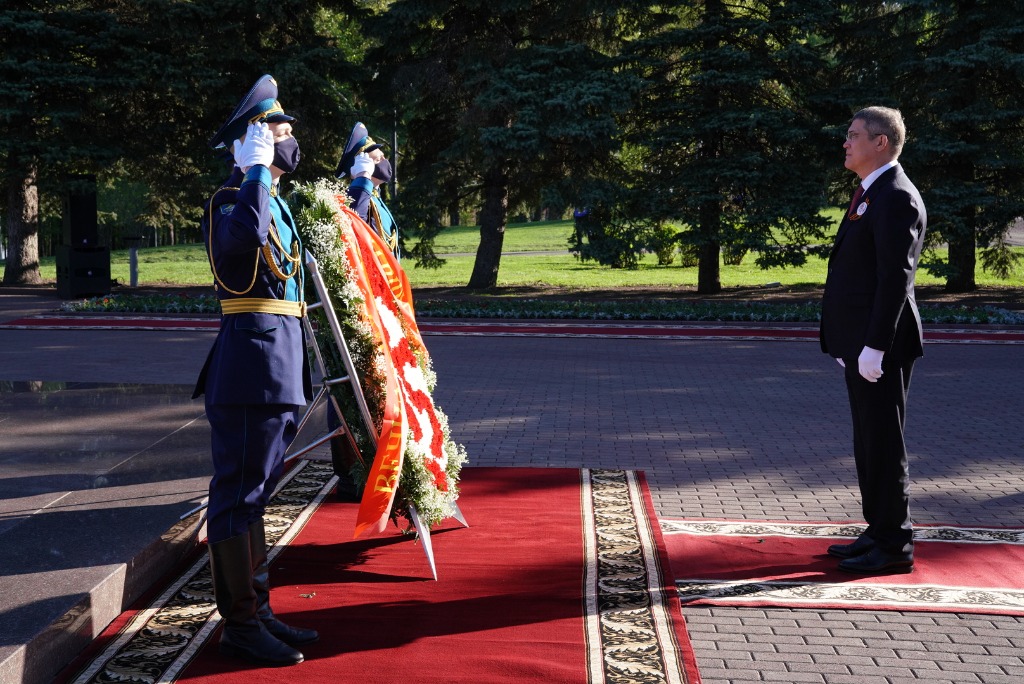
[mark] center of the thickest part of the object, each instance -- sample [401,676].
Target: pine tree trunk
[709,280]
[493,217]
[453,214]
[22,230]
[962,260]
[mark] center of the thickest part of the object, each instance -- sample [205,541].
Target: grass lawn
[539,236]
[566,271]
[188,265]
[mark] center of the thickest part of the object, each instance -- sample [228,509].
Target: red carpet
[962,570]
[561,577]
[681,331]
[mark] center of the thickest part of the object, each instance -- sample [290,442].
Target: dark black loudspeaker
[81,227]
[82,272]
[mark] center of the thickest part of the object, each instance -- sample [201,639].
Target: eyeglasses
[853,135]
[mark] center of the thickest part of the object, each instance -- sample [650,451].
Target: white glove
[362,166]
[869,364]
[258,147]
[236,150]
[841,362]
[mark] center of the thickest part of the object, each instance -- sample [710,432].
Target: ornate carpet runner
[957,569]
[629,628]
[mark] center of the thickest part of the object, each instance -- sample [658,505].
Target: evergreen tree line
[714,127]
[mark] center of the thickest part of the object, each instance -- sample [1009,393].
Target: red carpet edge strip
[645,331]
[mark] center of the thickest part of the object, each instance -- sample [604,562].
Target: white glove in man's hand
[869,364]
[258,147]
[362,166]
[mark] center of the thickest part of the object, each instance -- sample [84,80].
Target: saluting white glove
[362,166]
[869,364]
[258,147]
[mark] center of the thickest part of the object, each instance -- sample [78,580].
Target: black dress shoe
[293,636]
[879,562]
[251,641]
[862,545]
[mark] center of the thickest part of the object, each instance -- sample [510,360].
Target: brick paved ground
[759,430]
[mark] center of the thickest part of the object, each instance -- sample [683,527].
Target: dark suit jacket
[869,291]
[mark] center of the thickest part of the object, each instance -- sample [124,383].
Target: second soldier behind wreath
[364,161]
[256,378]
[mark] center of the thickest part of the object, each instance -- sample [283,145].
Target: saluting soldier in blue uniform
[364,161]
[256,377]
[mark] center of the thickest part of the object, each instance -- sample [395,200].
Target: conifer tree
[501,100]
[136,89]
[963,91]
[733,139]
[52,59]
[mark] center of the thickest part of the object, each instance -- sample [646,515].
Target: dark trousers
[879,412]
[248,444]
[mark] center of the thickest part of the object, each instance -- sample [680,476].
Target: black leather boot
[293,636]
[343,457]
[244,635]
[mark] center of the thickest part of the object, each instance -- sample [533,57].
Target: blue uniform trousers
[248,443]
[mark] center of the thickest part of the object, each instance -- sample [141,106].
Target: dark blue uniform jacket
[257,358]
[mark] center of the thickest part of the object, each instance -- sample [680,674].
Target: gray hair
[885,121]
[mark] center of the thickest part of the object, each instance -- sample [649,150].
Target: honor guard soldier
[256,377]
[364,161]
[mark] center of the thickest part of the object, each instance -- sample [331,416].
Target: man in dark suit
[256,377]
[870,324]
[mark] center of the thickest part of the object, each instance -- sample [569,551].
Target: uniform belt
[259,305]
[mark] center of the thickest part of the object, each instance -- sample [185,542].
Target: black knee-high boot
[294,636]
[244,635]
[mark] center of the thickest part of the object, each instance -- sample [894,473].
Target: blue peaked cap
[359,141]
[260,104]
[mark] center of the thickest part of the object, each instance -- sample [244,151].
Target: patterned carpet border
[817,594]
[163,638]
[630,638]
[949,533]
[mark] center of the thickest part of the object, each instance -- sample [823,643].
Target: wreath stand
[324,396]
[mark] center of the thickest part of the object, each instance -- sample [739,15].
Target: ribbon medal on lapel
[862,209]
